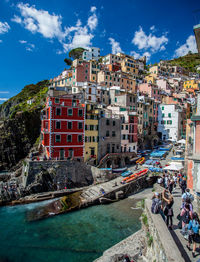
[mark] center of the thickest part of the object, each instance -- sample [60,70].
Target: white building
[92,53]
[89,91]
[111,59]
[169,121]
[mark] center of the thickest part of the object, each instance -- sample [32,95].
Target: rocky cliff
[20,123]
[17,136]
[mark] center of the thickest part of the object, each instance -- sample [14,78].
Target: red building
[63,121]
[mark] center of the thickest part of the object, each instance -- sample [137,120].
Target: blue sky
[35,36]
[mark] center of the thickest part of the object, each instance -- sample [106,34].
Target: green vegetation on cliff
[35,93]
[189,61]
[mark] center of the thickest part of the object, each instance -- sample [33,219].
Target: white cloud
[49,25]
[1,41]
[93,9]
[4,92]
[3,99]
[16,19]
[190,45]
[135,54]
[153,28]
[22,41]
[4,27]
[115,46]
[138,55]
[148,55]
[92,20]
[152,42]
[81,38]
[28,46]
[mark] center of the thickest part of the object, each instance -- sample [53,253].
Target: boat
[118,170]
[136,175]
[140,160]
[127,173]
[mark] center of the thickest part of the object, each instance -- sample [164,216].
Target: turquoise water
[78,236]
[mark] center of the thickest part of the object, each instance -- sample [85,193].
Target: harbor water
[77,236]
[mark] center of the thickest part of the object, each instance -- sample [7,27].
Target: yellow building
[94,69]
[191,84]
[128,65]
[151,78]
[91,133]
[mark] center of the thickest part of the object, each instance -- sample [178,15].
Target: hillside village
[115,106]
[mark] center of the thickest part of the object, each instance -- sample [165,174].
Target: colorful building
[62,129]
[91,133]
[191,84]
[151,90]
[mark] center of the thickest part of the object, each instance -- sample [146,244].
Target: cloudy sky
[36,35]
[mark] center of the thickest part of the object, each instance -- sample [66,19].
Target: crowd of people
[163,203]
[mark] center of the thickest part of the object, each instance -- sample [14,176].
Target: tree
[76,53]
[68,61]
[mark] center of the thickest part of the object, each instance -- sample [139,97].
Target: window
[57,100]
[80,112]
[93,138]
[80,138]
[91,127]
[80,125]
[126,127]
[107,122]
[122,127]
[69,138]
[69,125]
[58,138]
[69,112]
[163,115]
[169,115]
[58,111]
[115,99]
[85,138]
[107,133]
[58,125]
[162,107]
[124,137]
[113,123]
[113,134]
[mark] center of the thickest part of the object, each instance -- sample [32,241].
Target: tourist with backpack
[186,216]
[194,237]
[187,196]
[156,204]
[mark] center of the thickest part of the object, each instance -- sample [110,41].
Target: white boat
[118,170]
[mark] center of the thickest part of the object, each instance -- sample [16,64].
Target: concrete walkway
[176,234]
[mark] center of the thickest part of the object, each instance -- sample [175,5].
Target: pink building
[164,85]
[81,71]
[151,90]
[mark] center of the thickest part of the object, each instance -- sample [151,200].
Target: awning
[182,141]
[173,167]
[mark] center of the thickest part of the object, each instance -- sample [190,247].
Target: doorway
[62,154]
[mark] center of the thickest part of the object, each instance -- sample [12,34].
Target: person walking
[194,233]
[168,210]
[183,185]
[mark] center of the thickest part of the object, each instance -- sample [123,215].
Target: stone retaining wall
[162,246]
[62,173]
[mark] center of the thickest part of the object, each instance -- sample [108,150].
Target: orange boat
[141,173]
[140,160]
